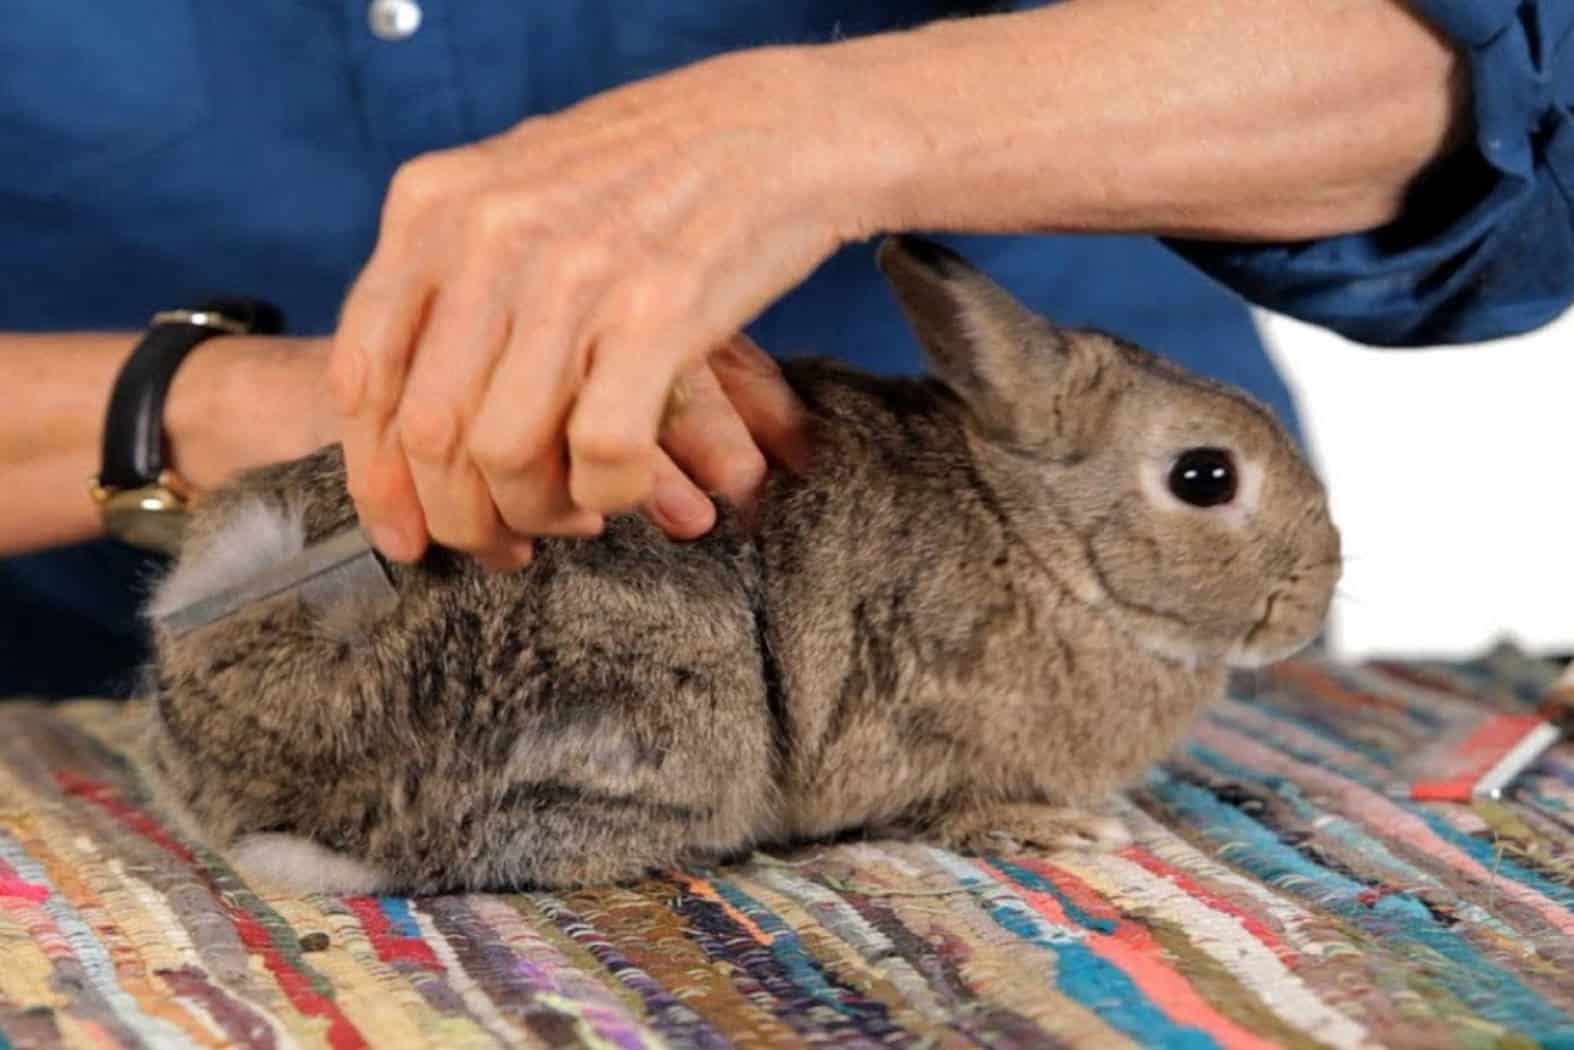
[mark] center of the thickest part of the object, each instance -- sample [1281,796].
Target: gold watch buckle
[150,516]
[202,318]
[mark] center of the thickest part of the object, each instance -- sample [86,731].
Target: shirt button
[393,19]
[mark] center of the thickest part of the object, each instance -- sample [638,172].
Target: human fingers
[706,438]
[613,426]
[764,401]
[375,340]
[678,506]
[515,437]
[469,324]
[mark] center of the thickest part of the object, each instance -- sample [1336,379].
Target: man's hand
[505,363]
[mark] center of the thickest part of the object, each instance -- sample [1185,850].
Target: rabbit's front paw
[1018,826]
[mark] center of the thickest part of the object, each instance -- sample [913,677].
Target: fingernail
[589,523]
[681,505]
[798,452]
[511,559]
[392,542]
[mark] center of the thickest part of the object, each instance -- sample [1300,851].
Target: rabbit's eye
[1203,477]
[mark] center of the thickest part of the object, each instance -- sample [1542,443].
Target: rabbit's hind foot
[1015,827]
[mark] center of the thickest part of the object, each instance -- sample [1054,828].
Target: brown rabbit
[999,593]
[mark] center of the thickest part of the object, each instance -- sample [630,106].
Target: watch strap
[133,442]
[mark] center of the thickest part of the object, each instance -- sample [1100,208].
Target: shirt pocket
[89,86]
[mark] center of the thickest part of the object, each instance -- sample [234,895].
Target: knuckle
[645,304]
[581,263]
[612,491]
[346,376]
[598,442]
[418,184]
[739,472]
[744,355]
[523,516]
[464,534]
[362,493]
[376,492]
[495,222]
[502,559]
[688,402]
[531,509]
[429,428]
[501,452]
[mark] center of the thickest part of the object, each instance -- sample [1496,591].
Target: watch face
[152,518]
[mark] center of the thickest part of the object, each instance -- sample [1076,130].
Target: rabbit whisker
[1347,598]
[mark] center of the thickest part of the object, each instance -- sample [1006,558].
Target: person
[502,234]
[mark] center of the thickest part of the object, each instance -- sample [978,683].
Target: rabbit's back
[597,713]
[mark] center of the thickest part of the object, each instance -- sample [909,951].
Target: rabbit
[998,593]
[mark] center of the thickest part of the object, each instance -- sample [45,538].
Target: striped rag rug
[1283,891]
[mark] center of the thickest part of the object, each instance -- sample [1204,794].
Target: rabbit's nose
[1330,549]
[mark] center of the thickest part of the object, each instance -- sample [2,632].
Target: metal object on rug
[1504,747]
[342,567]
[1558,706]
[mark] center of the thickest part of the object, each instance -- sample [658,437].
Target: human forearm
[504,360]
[49,435]
[1250,119]
[234,402]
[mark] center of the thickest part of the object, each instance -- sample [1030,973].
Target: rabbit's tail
[299,865]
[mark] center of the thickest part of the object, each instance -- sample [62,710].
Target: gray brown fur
[967,620]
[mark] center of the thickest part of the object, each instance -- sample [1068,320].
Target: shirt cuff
[1485,247]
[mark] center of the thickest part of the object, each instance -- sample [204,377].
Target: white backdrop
[1451,474]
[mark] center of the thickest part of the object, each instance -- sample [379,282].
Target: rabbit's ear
[1024,380]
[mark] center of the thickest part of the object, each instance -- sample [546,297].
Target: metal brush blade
[343,567]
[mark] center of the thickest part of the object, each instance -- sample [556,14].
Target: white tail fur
[289,862]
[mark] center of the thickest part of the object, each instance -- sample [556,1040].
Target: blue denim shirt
[164,149]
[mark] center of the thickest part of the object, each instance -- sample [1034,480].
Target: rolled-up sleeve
[1485,247]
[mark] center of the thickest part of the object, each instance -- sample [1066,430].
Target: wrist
[240,401]
[862,116]
[918,121]
[195,410]
[844,147]
[965,129]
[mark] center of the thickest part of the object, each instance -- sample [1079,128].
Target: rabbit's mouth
[1268,640]
[1292,615]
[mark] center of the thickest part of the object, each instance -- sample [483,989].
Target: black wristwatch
[141,501]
